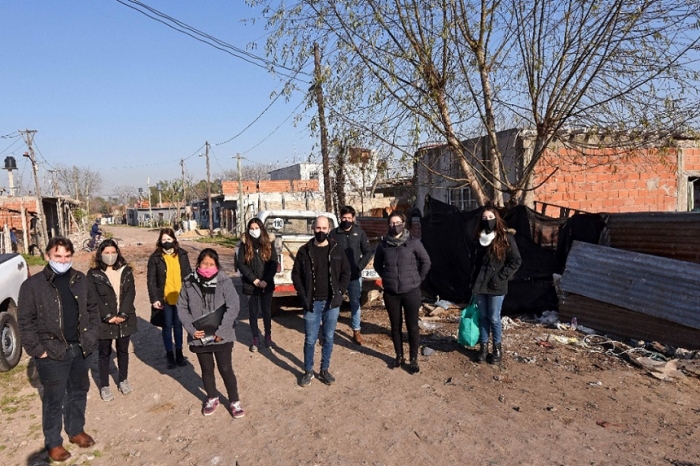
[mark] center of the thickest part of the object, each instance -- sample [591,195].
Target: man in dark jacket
[321,275]
[353,240]
[58,322]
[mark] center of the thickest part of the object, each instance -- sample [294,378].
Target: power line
[275,130]
[205,38]
[13,135]
[10,146]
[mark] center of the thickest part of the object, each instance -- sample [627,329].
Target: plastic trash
[549,318]
[445,304]
[427,325]
[428,351]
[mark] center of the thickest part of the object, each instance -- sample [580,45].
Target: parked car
[292,229]
[13,272]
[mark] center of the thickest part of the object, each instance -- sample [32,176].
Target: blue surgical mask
[60,267]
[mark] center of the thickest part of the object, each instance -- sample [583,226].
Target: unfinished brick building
[583,172]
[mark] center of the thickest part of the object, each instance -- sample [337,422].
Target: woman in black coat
[497,259]
[257,262]
[403,263]
[113,282]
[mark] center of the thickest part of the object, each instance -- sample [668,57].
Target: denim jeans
[322,312]
[354,292]
[489,317]
[66,384]
[260,305]
[172,326]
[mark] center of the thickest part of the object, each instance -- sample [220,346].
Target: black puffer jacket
[356,246]
[108,303]
[257,269]
[40,315]
[303,274]
[157,270]
[402,268]
[491,275]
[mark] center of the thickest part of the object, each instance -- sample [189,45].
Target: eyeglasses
[396,224]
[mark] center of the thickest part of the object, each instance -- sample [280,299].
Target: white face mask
[60,267]
[254,233]
[109,259]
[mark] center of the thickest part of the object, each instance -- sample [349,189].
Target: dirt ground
[558,405]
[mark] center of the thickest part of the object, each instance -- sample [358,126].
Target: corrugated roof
[675,235]
[660,287]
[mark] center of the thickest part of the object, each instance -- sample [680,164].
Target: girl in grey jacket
[205,291]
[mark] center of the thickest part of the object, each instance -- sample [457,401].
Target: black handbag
[157,317]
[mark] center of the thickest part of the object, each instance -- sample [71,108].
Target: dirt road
[544,406]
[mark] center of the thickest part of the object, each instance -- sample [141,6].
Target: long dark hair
[500,245]
[210,253]
[121,262]
[170,232]
[265,245]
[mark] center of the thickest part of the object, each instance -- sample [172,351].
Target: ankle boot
[180,358]
[483,352]
[398,362]
[413,366]
[357,337]
[497,354]
[170,356]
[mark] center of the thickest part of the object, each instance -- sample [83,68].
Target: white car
[13,272]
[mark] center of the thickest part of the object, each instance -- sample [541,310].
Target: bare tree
[408,73]
[79,183]
[255,172]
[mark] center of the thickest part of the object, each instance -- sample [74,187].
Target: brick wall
[230,188]
[645,180]
[691,160]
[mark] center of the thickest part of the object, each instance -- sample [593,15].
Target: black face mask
[488,225]
[396,230]
[345,224]
[167,245]
[320,236]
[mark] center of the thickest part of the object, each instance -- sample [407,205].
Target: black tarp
[448,235]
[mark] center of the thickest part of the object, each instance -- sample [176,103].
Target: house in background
[581,171]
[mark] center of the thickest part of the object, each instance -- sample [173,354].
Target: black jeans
[410,302]
[104,353]
[259,304]
[223,354]
[66,384]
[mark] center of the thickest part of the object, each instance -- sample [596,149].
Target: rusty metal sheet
[614,320]
[657,286]
[675,235]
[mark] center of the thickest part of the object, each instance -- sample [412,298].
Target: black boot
[398,362]
[171,360]
[180,358]
[413,366]
[497,354]
[483,352]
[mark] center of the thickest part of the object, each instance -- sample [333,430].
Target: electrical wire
[10,146]
[12,135]
[205,38]
[275,130]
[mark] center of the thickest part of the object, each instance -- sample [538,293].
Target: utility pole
[28,135]
[184,192]
[211,210]
[241,219]
[318,78]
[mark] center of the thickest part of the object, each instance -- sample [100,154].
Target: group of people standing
[64,315]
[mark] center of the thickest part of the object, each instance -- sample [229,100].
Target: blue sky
[108,88]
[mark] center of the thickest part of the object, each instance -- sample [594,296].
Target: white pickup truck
[13,272]
[292,229]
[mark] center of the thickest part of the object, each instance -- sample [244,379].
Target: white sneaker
[236,410]
[106,394]
[125,387]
